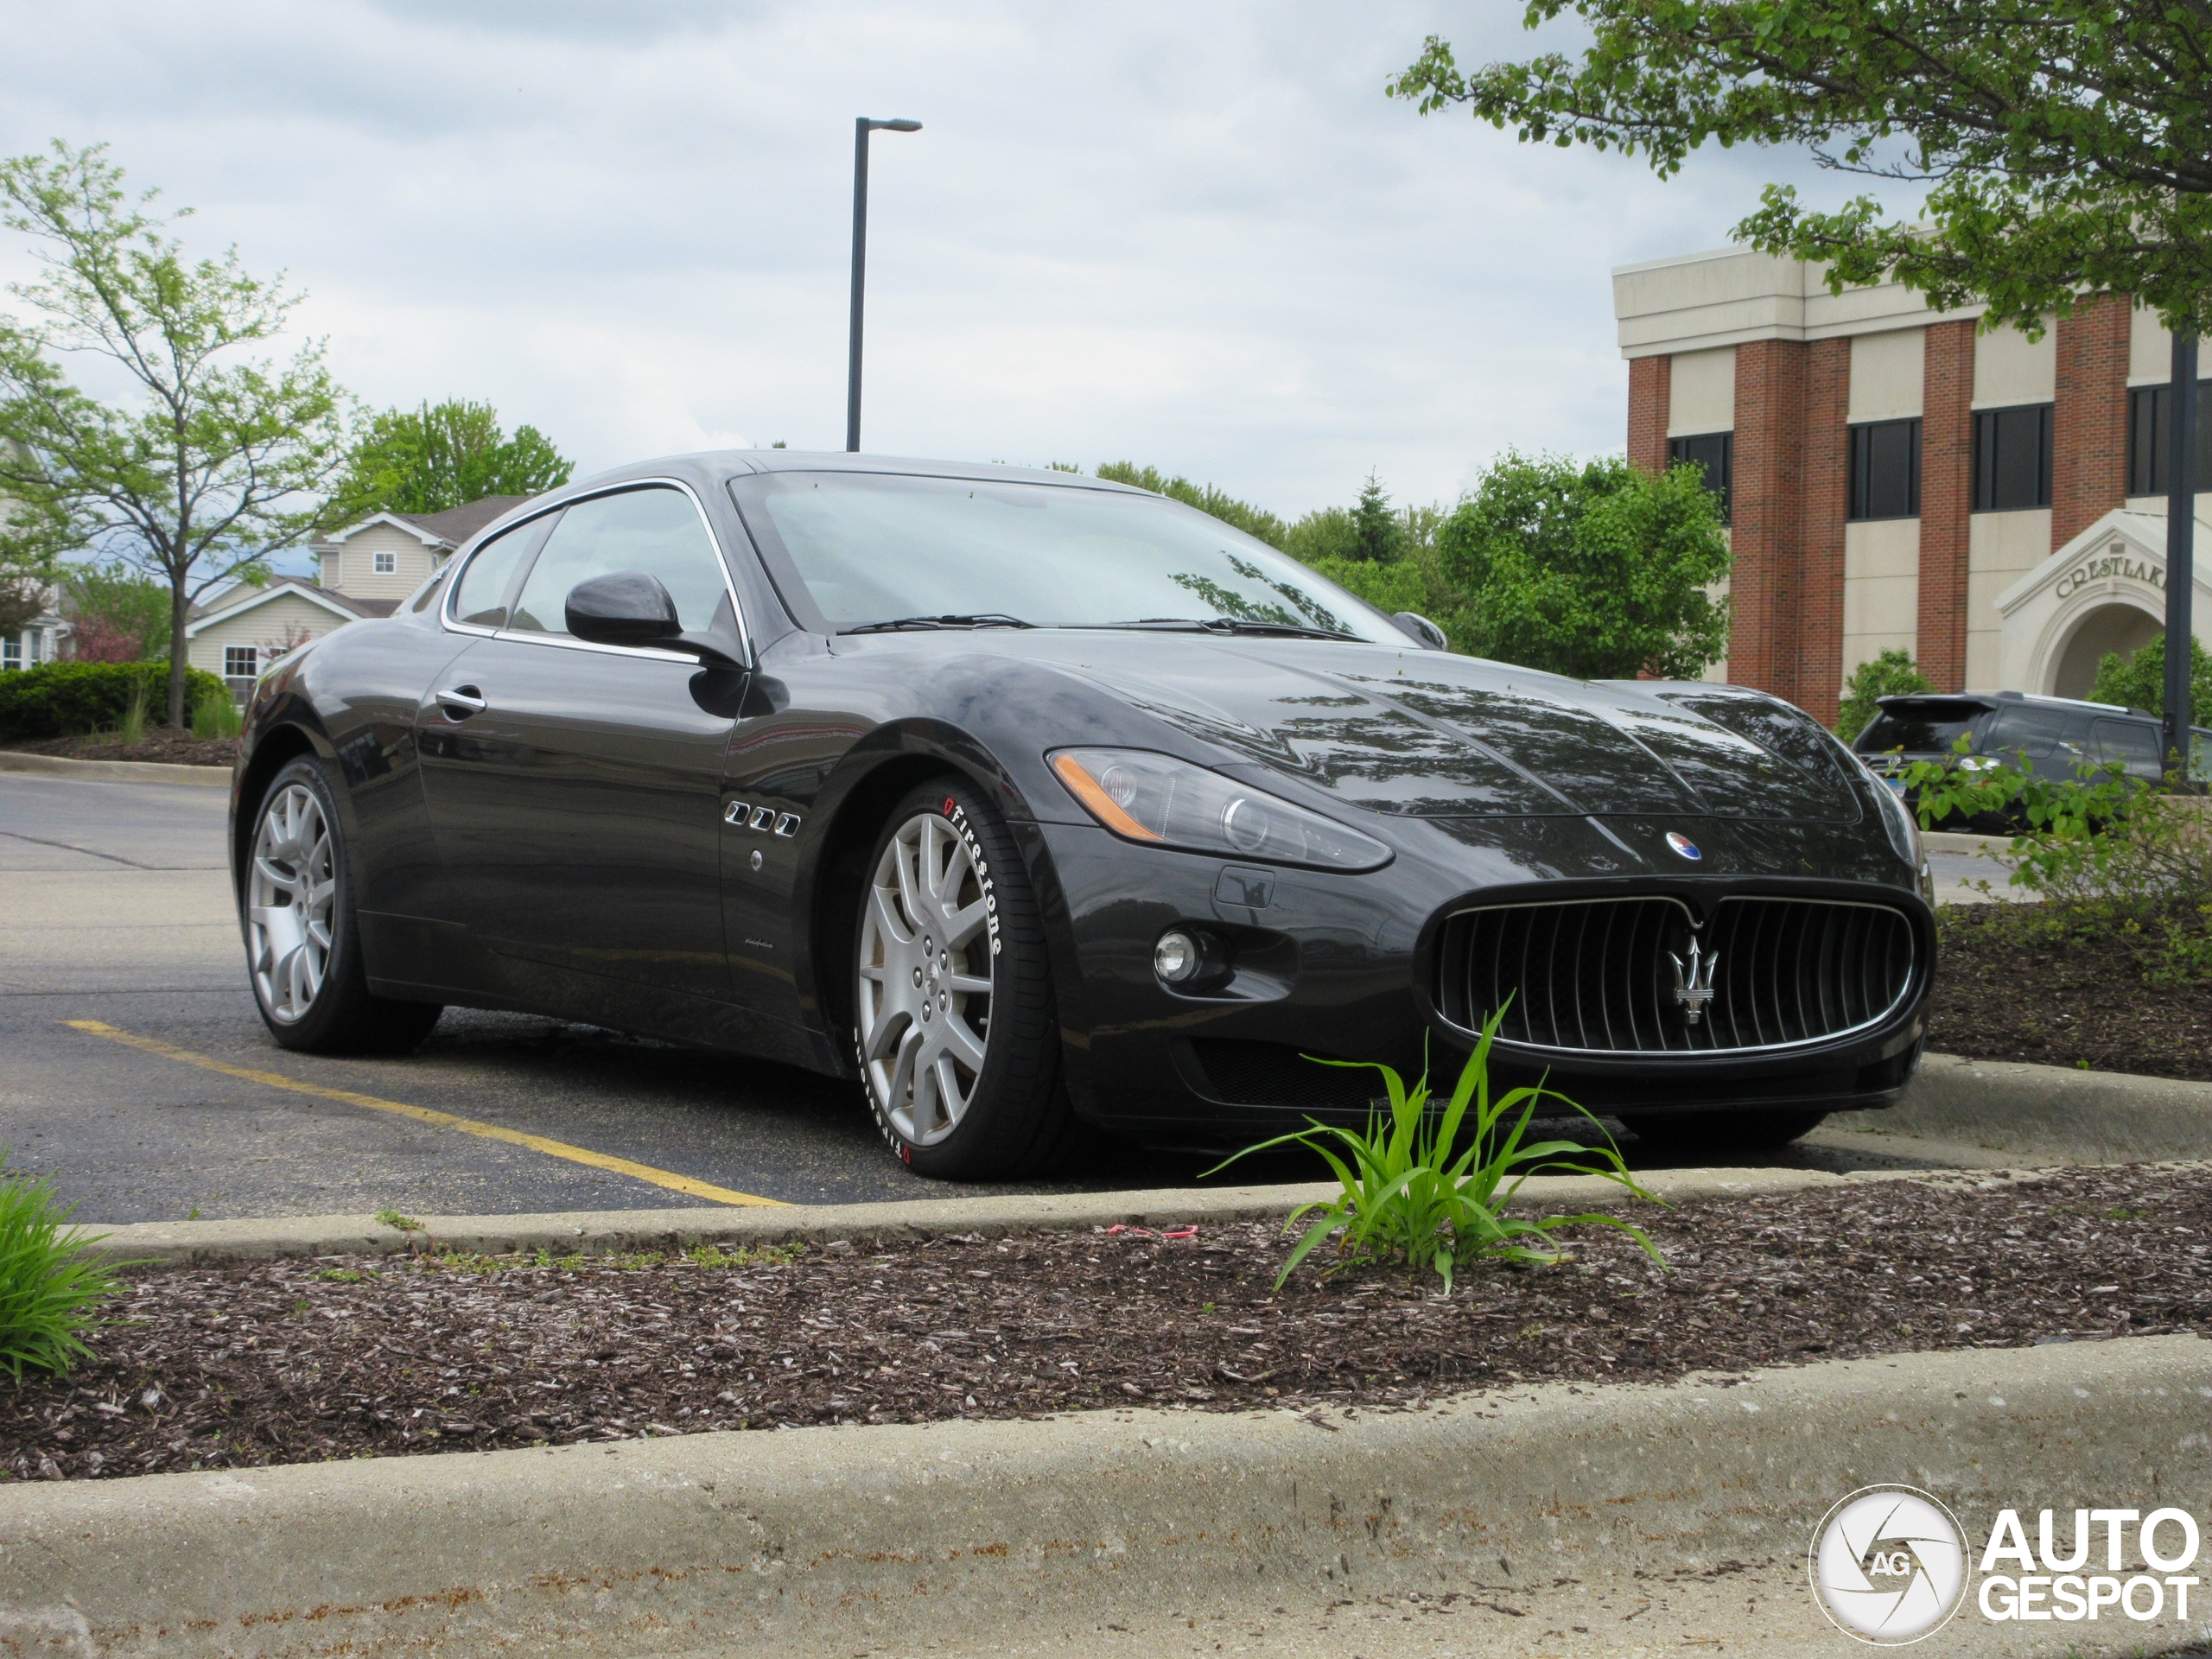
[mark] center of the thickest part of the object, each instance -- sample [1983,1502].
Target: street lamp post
[861,127]
[2180,544]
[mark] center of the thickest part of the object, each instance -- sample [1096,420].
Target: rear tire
[1719,1134]
[302,939]
[954,1023]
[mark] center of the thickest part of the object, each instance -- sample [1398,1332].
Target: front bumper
[1338,967]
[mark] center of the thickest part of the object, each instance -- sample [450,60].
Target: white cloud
[1195,234]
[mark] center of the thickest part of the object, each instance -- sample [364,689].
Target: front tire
[954,1021]
[302,939]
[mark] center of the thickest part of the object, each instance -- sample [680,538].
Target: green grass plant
[215,714]
[51,1282]
[1412,1190]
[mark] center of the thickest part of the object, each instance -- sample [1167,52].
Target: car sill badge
[1682,845]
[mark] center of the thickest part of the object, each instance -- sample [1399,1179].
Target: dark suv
[2041,734]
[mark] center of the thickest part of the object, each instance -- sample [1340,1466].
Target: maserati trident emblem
[1682,845]
[1694,983]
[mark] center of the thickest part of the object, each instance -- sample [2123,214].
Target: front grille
[1601,975]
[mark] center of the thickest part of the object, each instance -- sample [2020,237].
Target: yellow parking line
[674,1182]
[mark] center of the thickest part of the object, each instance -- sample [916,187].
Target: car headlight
[1158,800]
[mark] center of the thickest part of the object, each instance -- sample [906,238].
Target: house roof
[339,603]
[457,524]
[444,530]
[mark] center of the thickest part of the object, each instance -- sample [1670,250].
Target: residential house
[365,569]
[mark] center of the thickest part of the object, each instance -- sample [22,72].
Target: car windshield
[874,549]
[1918,727]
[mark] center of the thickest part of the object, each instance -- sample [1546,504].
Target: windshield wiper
[1228,625]
[971,620]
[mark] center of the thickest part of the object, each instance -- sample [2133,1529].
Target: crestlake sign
[2151,572]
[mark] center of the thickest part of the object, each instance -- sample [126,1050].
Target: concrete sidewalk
[1561,1520]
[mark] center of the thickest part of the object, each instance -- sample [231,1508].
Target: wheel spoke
[902,1073]
[885,1032]
[959,983]
[965,924]
[907,878]
[894,928]
[960,1042]
[948,1088]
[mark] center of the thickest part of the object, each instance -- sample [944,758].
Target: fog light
[1176,958]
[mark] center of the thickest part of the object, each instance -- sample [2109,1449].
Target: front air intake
[1640,976]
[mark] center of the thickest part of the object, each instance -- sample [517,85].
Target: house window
[241,662]
[11,654]
[1886,470]
[2011,458]
[1715,452]
[2150,434]
[387,564]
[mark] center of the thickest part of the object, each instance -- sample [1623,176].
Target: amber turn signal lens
[1088,790]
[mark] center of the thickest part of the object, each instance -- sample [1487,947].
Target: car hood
[1430,734]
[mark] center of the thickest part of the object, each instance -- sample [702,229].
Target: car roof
[2000,699]
[736,463]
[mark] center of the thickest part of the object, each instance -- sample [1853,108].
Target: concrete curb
[1950,841]
[2012,1106]
[119,772]
[607,1231]
[1558,1504]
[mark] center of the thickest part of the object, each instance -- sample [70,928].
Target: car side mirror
[1425,632]
[627,609]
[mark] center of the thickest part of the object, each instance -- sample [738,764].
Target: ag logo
[1888,1564]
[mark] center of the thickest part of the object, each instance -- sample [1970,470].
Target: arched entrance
[2115,627]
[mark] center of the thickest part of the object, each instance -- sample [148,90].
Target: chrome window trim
[1693,1056]
[567,642]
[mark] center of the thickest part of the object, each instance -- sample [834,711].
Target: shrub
[2104,851]
[117,615]
[1891,674]
[2139,680]
[51,1283]
[1406,1198]
[64,699]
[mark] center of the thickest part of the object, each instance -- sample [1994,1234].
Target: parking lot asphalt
[135,1072]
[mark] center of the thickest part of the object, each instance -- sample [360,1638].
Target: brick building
[1993,505]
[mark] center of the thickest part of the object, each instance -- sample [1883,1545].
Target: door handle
[459,701]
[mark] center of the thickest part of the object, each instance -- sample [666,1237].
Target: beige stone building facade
[1895,478]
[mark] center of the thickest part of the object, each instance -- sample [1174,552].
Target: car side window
[2040,732]
[656,530]
[482,598]
[2130,742]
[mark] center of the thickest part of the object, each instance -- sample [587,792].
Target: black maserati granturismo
[1038,804]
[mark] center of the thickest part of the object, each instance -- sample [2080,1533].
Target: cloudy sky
[1192,232]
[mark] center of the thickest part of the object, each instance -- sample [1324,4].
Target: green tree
[2139,680]
[441,456]
[213,462]
[1888,674]
[1376,531]
[1256,522]
[115,613]
[1595,570]
[2066,145]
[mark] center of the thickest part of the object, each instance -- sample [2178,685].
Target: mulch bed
[2010,987]
[286,1362]
[170,744]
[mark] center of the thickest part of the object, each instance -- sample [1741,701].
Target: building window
[1715,452]
[387,564]
[2011,458]
[1886,470]
[241,662]
[11,654]
[2150,411]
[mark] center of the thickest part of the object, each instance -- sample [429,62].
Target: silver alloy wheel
[291,895]
[923,996]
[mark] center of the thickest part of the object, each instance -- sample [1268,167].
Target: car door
[574,789]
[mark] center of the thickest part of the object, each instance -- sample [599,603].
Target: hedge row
[63,699]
